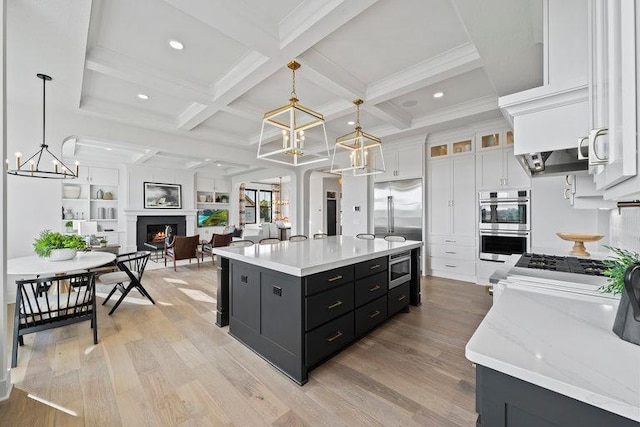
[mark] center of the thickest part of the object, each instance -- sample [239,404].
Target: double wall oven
[505,224]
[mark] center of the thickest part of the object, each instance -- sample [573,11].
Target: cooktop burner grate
[588,266]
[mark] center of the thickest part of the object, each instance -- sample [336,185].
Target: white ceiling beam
[95,20]
[257,66]
[234,20]
[326,74]
[449,64]
[136,117]
[121,67]
[145,157]
[242,108]
[390,113]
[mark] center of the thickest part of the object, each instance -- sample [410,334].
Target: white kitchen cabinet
[452,208]
[612,140]
[498,168]
[97,175]
[401,163]
[580,192]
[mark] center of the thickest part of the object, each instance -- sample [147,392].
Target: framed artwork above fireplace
[162,196]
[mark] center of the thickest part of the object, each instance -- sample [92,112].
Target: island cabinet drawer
[328,339]
[325,280]
[371,315]
[371,287]
[370,267]
[328,305]
[245,291]
[398,298]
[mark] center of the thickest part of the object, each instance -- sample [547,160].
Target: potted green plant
[103,243]
[57,246]
[616,268]
[224,198]
[69,226]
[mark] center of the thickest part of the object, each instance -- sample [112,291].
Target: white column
[5,342]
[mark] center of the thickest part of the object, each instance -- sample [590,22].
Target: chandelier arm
[61,163]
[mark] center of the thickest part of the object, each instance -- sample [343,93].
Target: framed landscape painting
[162,196]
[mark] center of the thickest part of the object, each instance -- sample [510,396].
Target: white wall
[355,193]
[550,214]
[624,229]
[316,202]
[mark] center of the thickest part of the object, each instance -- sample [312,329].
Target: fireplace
[150,229]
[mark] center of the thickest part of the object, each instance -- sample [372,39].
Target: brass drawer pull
[374,288]
[402,297]
[374,314]
[334,278]
[374,267]
[334,305]
[450,266]
[449,252]
[334,337]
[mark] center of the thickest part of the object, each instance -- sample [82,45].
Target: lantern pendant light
[358,152]
[293,134]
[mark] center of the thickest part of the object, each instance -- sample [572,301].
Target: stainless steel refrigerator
[397,208]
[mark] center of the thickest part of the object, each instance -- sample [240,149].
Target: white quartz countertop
[563,343]
[314,255]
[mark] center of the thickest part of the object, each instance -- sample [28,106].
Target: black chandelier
[35,166]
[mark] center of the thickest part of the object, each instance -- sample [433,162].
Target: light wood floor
[169,365]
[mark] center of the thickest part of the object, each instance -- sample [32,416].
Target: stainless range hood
[552,163]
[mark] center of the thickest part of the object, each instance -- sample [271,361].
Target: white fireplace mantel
[131,218]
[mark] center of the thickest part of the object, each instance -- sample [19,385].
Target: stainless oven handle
[500,201]
[502,232]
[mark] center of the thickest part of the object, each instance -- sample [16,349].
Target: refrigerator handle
[392,216]
[389,214]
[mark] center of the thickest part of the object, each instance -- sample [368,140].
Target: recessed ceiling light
[143,96]
[438,94]
[176,44]
[218,164]
[410,103]
[351,123]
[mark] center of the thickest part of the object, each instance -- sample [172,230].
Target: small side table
[156,249]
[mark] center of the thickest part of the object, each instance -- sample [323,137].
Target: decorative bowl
[71,191]
[62,254]
[579,239]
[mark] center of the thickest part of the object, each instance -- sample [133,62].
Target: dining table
[33,265]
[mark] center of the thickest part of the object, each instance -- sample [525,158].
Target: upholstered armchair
[182,248]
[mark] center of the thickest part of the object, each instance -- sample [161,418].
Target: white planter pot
[62,254]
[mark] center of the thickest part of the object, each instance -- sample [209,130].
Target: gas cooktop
[592,267]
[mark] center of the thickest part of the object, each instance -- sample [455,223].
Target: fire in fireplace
[156,233]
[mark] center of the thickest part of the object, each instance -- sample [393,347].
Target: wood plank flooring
[169,365]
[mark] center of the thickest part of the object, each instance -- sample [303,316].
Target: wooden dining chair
[298,238]
[52,302]
[131,267]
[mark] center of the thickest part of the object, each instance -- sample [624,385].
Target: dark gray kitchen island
[298,303]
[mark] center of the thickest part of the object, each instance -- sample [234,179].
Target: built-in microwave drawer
[328,339]
[328,305]
[371,287]
[325,280]
[371,315]
[370,267]
[398,298]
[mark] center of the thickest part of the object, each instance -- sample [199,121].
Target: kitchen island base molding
[504,401]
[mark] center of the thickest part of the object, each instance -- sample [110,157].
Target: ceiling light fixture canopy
[36,165]
[358,151]
[295,134]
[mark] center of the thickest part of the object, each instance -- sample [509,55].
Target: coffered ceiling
[394,54]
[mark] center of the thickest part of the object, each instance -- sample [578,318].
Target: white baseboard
[6,387]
